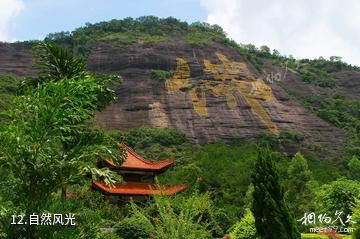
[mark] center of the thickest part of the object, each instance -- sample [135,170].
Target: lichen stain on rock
[224,79]
[199,104]
[181,78]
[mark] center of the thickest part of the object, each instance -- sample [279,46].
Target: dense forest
[241,189]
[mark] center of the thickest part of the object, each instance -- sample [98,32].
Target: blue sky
[305,29]
[40,17]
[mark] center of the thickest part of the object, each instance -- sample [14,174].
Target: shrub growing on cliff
[143,137]
[160,74]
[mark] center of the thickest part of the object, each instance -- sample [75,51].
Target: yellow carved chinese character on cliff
[227,78]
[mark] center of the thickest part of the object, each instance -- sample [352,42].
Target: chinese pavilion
[139,178]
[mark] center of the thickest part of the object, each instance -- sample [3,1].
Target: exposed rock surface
[213,95]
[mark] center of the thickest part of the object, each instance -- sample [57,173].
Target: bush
[143,137]
[132,228]
[245,228]
[318,77]
[177,217]
[160,74]
[340,195]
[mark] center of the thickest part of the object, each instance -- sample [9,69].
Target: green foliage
[318,72]
[133,228]
[8,88]
[92,213]
[203,34]
[122,40]
[144,137]
[339,195]
[39,125]
[337,109]
[150,29]
[284,139]
[273,219]
[319,77]
[57,63]
[56,145]
[354,168]
[264,51]
[356,218]
[220,165]
[178,218]
[121,32]
[299,192]
[330,66]
[313,236]
[327,169]
[160,74]
[245,228]
[197,39]
[249,52]
[289,137]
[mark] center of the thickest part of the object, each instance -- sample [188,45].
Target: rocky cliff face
[213,94]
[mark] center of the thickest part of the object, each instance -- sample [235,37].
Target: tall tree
[273,219]
[59,64]
[48,141]
[354,168]
[299,194]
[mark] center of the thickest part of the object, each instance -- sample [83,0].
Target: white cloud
[8,10]
[306,29]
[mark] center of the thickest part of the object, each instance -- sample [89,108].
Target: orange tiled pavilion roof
[134,161]
[139,188]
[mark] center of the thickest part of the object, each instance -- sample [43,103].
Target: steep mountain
[193,78]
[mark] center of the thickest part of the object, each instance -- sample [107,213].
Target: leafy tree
[335,58]
[32,155]
[273,219]
[299,194]
[49,142]
[340,195]
[59,64]
[354,168]
[265,51]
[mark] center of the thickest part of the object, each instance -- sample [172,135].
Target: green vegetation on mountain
[8,89]
[319,72]
[160,74]
[342,112]
[337,109]
[57,147]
